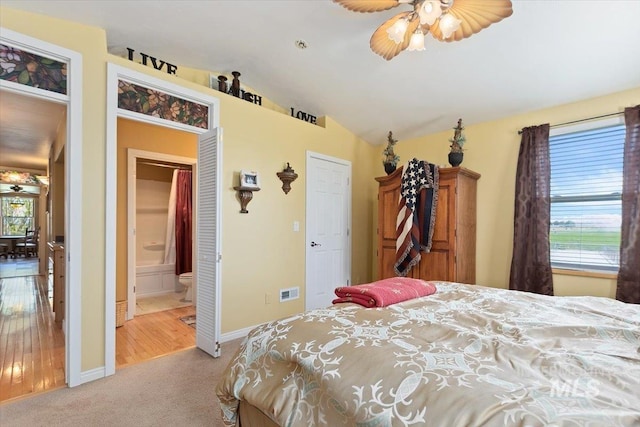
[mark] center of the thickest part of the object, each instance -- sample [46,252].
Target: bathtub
[156,279]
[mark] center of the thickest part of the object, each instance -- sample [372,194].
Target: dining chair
[29,244]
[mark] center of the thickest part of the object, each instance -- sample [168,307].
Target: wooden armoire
[453,251]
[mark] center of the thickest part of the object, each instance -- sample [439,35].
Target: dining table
[12,240]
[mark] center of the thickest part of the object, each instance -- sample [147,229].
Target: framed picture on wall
[249,179]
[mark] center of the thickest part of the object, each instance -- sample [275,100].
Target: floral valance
[154,103]
[33,70]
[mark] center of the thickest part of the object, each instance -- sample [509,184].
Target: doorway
[328,218]
[207,241]
[160,310]
[73,178]
[151,271]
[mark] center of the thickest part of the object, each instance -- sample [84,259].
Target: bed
[464,356]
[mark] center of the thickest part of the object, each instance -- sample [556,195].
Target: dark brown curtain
[629,275]
[531,262]
[184,234]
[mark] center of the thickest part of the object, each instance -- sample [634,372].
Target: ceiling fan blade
[368,5]
[381,43]
[475,16]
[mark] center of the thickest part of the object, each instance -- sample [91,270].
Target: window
[17,215]
[586,189]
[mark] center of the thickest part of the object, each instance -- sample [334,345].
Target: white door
[328,224]
[207,263]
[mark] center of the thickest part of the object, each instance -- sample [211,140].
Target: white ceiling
[547,53]
[28,126]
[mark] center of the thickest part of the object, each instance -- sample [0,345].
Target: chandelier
[446,20]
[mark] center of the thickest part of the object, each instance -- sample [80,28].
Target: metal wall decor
[305,117]
[158,64]
[287,176]
[235,89]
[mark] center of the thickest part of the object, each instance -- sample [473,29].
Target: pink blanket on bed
[384,292]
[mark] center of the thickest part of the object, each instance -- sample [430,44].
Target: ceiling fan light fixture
[398,30]
[446,20]
[429,11]
[449,24]
[417,41]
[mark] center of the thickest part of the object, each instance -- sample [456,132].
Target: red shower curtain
[183,222]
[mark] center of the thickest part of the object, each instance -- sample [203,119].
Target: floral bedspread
[464,356]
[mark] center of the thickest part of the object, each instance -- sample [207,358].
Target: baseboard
[240,333]
[98,373]
[92,375]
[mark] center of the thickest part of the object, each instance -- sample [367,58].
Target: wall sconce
[245,195]
[287,176]
[249,182]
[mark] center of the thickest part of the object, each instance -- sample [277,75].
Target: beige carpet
[174,390]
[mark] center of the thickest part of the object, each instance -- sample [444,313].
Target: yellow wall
[492,150]
[261,253]
[141,136]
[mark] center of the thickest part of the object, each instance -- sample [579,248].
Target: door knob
[314,244]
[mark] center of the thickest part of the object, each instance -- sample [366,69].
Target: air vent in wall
[289,294]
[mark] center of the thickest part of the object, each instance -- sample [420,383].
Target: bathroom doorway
[207,259]
[157,163]
[157,264]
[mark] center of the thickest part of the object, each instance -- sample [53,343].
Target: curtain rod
[583,120]
[162,165]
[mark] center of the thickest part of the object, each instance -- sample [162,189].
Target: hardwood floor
[31,343]
[151,335]
[18,267]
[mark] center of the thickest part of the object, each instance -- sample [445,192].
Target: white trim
[21,89]
[145,118]
[91,375]
[311,154]
[115,73]
[74,179]
[111,186]
[587,125]
[132,156]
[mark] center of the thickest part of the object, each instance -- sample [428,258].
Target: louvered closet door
[207,277]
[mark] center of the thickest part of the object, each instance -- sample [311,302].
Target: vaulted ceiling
[547,53]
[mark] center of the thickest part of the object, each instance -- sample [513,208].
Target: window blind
[586,188]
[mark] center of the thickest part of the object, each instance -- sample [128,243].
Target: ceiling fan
[446,20]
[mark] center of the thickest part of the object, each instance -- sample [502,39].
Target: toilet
[185,280]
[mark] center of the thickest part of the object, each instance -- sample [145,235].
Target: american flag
[419,188]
